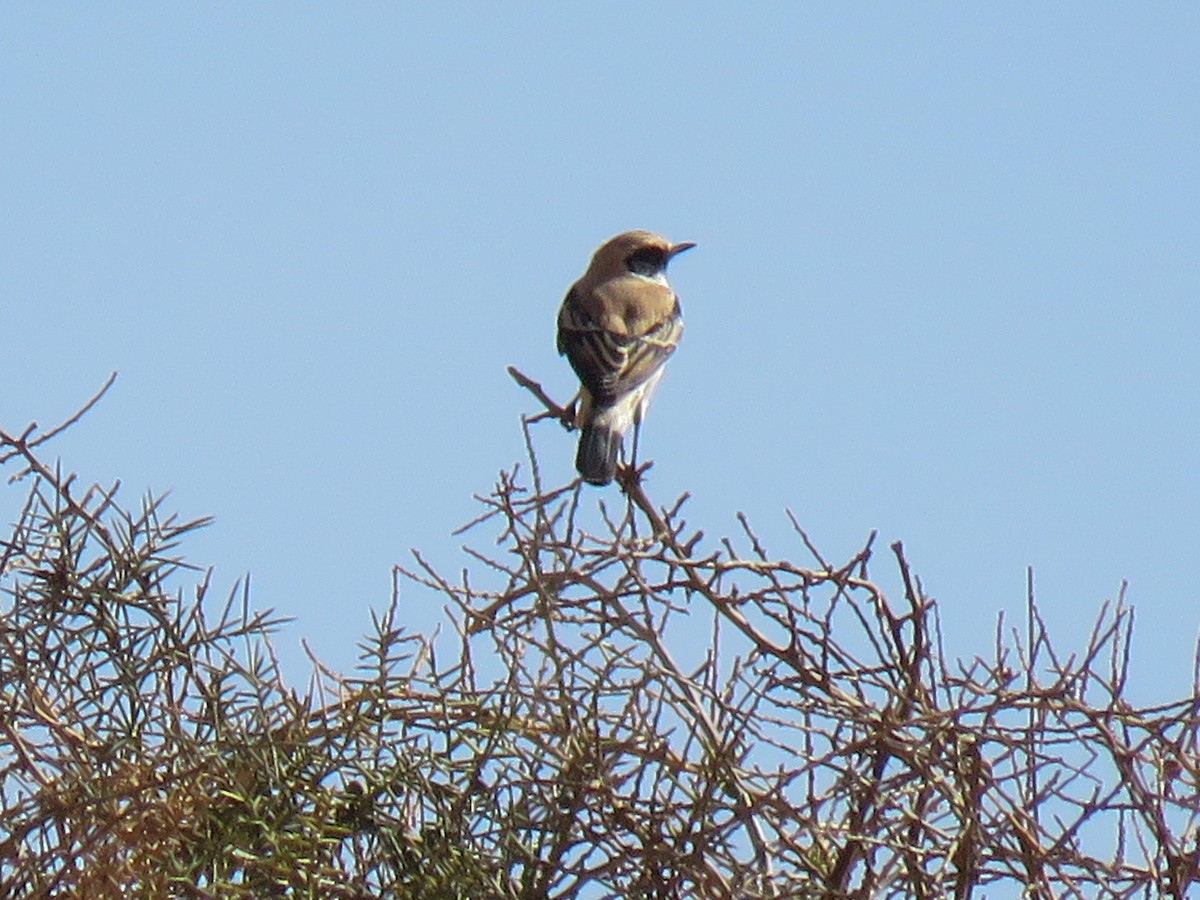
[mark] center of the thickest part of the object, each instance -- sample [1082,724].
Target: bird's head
[641,253]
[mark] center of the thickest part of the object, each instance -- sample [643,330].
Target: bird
[617,327]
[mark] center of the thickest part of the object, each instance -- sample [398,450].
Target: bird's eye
[647,261]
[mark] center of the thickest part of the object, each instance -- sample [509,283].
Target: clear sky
[946,284]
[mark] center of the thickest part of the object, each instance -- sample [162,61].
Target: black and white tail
[599,447]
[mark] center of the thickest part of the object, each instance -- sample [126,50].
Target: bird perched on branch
[617,326]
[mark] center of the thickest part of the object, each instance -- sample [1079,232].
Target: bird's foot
[629,475]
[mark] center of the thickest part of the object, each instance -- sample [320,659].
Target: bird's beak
[679,248]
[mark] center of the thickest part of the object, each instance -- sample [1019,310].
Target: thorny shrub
[576,740]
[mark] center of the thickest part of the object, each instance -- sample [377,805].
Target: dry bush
[573,737]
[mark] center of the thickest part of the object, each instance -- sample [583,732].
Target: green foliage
[151,748]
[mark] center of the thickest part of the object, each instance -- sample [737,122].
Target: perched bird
[617,326]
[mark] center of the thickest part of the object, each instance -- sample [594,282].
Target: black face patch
[648,261]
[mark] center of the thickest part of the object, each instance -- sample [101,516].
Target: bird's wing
[612,365]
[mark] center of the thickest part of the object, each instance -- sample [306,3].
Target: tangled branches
[625,711]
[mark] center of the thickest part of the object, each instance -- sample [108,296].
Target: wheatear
[618,325]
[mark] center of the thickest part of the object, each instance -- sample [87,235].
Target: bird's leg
[630,472]
[569,415]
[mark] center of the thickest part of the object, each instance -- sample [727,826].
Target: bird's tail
[596,460]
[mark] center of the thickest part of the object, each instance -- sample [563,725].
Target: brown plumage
[617,326]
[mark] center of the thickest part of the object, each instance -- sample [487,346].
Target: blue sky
[946,283]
